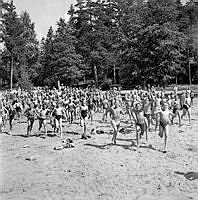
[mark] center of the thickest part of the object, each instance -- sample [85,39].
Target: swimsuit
[91,106]
[84,113]
[58,117]
[185,106]
[163,124]
[142,127]
[147,115]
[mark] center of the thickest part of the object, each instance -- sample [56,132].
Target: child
[164,124]
[12,113]
[105,108]
[140,121]
[128,107]
[71,110]
[147,111]
[187,107]
[58,114]
[175,107]
[43,117]
[156,107]
[31,114]
[18,107]
[91,107]
[3,112]
[115,112]
[84,117]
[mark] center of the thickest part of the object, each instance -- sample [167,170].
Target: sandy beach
[30,168]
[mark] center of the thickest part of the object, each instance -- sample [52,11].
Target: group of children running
[144,109]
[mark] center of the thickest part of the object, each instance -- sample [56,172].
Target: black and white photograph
[98,99]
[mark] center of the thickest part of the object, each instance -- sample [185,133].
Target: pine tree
[13,39]
[29,58]
[46,58]
[67,63]
[21,46]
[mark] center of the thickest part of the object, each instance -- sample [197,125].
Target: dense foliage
[128,42]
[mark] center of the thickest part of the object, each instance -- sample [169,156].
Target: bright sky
[45,13]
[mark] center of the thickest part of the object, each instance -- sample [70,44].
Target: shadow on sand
[71,132]
[41,135]
[129,147]
[106,146]
[189,175]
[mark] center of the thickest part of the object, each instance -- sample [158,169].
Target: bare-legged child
[12,114]
[3,112]
[175,107]
[71,110]
[105,108]
[147,111]
[128,107]
[59,113]
[31,114]
[83,118]
[187,107]
[1,116]
[42,118]
[156,109]
[115,112]
[92,108]
[165,114]
[140,121]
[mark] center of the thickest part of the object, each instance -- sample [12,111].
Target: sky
[45,13]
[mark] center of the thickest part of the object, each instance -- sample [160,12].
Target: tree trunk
[176,81]
[114,74]
[11,73]
[96,76]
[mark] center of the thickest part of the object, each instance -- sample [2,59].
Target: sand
[97,170]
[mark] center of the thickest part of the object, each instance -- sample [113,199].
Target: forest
[128,42]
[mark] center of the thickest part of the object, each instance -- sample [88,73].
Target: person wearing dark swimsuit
[84,117]
[91,108]
[164,124]
[31,114]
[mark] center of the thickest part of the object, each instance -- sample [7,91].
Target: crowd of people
[145,109]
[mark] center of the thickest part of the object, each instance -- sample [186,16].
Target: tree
[95,26]
[46,58]
[157,46]
[12,38]
[21,47]
[29,58]
[67,63]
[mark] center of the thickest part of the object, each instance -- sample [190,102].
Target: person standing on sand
[71,110]
[175,108]
[83,118]
[156,108]
[105,108]
[3,113]
[11,113]
[165,114]
[43,118]
[128,104]
[92,108]
[187,107]
[147,110]
[140,121]
[115,112]
[58,113]
[182,99]
[31,114]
